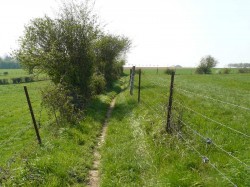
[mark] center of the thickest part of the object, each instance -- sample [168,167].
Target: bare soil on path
[94,175]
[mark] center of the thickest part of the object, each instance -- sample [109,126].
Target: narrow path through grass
[94,176]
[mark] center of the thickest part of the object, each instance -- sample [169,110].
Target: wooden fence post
[32,115]
[139,88]
[168,128]
[132,80]
[130,73]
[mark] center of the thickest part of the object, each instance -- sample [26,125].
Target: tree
[206,64]
[109,50]
[71,49]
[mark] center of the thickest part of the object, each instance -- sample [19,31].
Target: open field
[66,153]
[185,71]
[12,73]
[210,121]
[20,74]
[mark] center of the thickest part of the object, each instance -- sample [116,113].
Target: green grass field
[66,153]
[139,152]
[12,73]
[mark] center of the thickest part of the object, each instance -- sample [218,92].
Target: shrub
[169,71]
[206,64]
[97,83]
[244,70]
[16,80]
[4,81]
[28,79]
[5,73]
[226,71]
[60,100]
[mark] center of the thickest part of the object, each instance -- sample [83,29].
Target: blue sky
[163,32]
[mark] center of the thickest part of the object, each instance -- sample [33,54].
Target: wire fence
[16,127]
[158,88]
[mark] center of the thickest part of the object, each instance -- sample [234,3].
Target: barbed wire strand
[232,129]
[161,94]
[224,102]
[202,156]
[217,146]
[148,105]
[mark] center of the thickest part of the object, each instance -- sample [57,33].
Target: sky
[163,32]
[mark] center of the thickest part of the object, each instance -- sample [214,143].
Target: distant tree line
[239,65]
[9,63]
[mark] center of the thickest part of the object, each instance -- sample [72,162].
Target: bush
[60,100]
[169,71]
[206,64]
[226,71]
[4,81]
[28,79]
[5,73]
[244,70]
[16,80]
[98,84]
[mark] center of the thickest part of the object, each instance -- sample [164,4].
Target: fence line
[224,102]
[208,140]
[217,146]
[232,129]
[152,108]
[206,159]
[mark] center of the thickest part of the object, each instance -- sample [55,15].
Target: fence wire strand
[217,100]
[217,146]
[232,129]
[202,156]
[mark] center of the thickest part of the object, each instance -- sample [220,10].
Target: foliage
[97,84]
[4,81]
[206,64]
[169,71]
[244,70]
[226,71]
[109,50]
[65,156]
[60,99]
[9,63]
[72,50]
[239,65]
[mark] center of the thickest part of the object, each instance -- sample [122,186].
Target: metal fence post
[168,128]
[139,88]
[132,80]
[32,115]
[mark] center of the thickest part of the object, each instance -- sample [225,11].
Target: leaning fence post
[168,128]
[132,80]
[32,115]
[139,88]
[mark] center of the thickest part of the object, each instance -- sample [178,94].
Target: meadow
[209,144]
[66,153]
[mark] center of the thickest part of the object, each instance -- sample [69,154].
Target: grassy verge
[66,153]
[138,151]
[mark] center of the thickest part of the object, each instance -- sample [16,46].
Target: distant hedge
[18,80]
